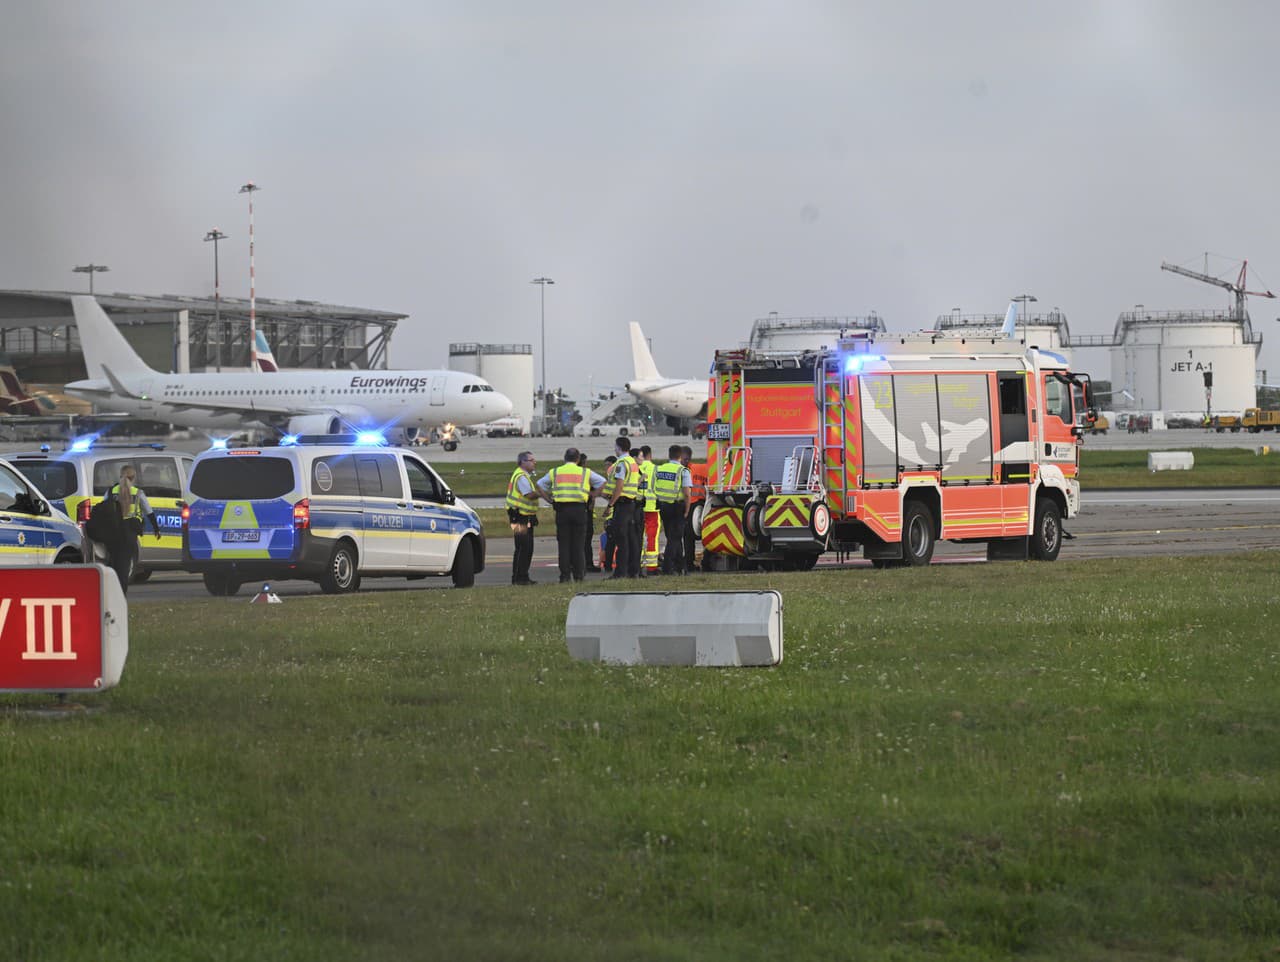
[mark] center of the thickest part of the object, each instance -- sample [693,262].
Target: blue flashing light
[80,445]
[288,440]
[853,363]
[370,437]
[219,444]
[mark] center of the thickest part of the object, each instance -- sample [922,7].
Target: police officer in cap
[626,505]
[570,488]
[522,512]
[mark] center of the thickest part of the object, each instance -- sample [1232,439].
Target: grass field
[1068,761]
[1214,467]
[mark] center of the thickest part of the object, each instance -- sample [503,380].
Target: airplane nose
[502,405]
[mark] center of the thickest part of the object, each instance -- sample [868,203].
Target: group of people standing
[642,499]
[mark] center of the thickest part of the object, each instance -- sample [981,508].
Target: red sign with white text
[51,628]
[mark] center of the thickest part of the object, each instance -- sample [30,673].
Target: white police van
[329,509]
[33,531]
[76,479]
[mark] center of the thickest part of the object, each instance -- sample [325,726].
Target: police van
[325,509]
[32,530]
[76,479]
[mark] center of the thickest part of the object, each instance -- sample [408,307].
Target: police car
[33,531]
[325,509]
[76,479]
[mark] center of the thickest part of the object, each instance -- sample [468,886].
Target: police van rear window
[242,479]
[55,479]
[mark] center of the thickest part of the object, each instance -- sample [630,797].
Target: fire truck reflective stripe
[722,531]
[787,511]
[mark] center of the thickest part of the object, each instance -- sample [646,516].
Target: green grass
[1068,761]
[1214,467]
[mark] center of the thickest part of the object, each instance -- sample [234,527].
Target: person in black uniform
[588,544]
[570,488]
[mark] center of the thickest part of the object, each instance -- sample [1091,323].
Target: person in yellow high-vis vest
[652,521]
[134,506]
[671,485]
[570,488]
[625,503]
[522,512]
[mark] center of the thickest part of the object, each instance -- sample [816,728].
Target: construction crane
[1237,288]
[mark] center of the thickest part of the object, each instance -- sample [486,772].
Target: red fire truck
[889,443]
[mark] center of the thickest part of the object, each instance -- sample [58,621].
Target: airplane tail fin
[103,344]
[1010,329]
[263,358]
[645,369]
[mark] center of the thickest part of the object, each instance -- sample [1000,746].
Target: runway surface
[1115,524]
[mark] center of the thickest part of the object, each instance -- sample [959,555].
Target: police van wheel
[140,575]
[68,558]
[220,585]
[464,566]
[1046,537]
[917,534]
[341,575]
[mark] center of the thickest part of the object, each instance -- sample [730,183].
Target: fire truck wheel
[917,534]
[751,519]
[1046,538]
[695,519]
[806,561]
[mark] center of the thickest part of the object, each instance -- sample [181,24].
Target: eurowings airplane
[293,402]
[674,398]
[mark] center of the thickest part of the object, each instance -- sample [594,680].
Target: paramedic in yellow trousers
[652,522]
[522,512]
[570,488]
[671,486]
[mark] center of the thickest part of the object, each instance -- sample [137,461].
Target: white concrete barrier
[1170,461]
[705,628]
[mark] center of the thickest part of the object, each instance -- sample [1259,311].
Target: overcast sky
[688,165]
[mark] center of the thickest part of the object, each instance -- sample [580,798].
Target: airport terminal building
[179,333]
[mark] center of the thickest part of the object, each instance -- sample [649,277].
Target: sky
[688,165]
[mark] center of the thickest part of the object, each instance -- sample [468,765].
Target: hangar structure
[180,333]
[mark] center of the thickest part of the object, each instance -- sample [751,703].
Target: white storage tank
[508,367]
[1162,357]
[1048,331]
[775,333]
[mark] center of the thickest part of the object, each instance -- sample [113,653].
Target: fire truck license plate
[718,431]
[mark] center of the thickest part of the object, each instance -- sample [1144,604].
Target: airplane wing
[658,384]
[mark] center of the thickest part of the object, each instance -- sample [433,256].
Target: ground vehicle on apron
[76,479]
[889,443]
[329,509]
[33,531]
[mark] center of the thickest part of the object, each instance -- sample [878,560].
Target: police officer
[570,488]
[697,495]
[671,485]
[522,512]
[588,543]
[134,506]
[608,539]
[625,504]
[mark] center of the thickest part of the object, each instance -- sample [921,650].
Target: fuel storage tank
[1162,359]
[1048,331]
[775,333]
[508,367]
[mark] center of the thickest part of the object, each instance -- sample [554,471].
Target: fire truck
[888,444]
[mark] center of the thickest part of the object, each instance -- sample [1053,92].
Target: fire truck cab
[888,444]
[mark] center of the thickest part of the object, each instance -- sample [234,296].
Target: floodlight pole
[1025,299]
[542,283]
[216,235]
[90,269]
[249,189]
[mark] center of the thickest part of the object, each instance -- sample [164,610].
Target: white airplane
[673,397]
[293,402]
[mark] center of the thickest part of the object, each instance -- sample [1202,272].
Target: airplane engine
[316,424]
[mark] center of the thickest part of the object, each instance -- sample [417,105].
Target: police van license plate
[246,535]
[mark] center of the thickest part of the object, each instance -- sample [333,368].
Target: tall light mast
[249,189]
